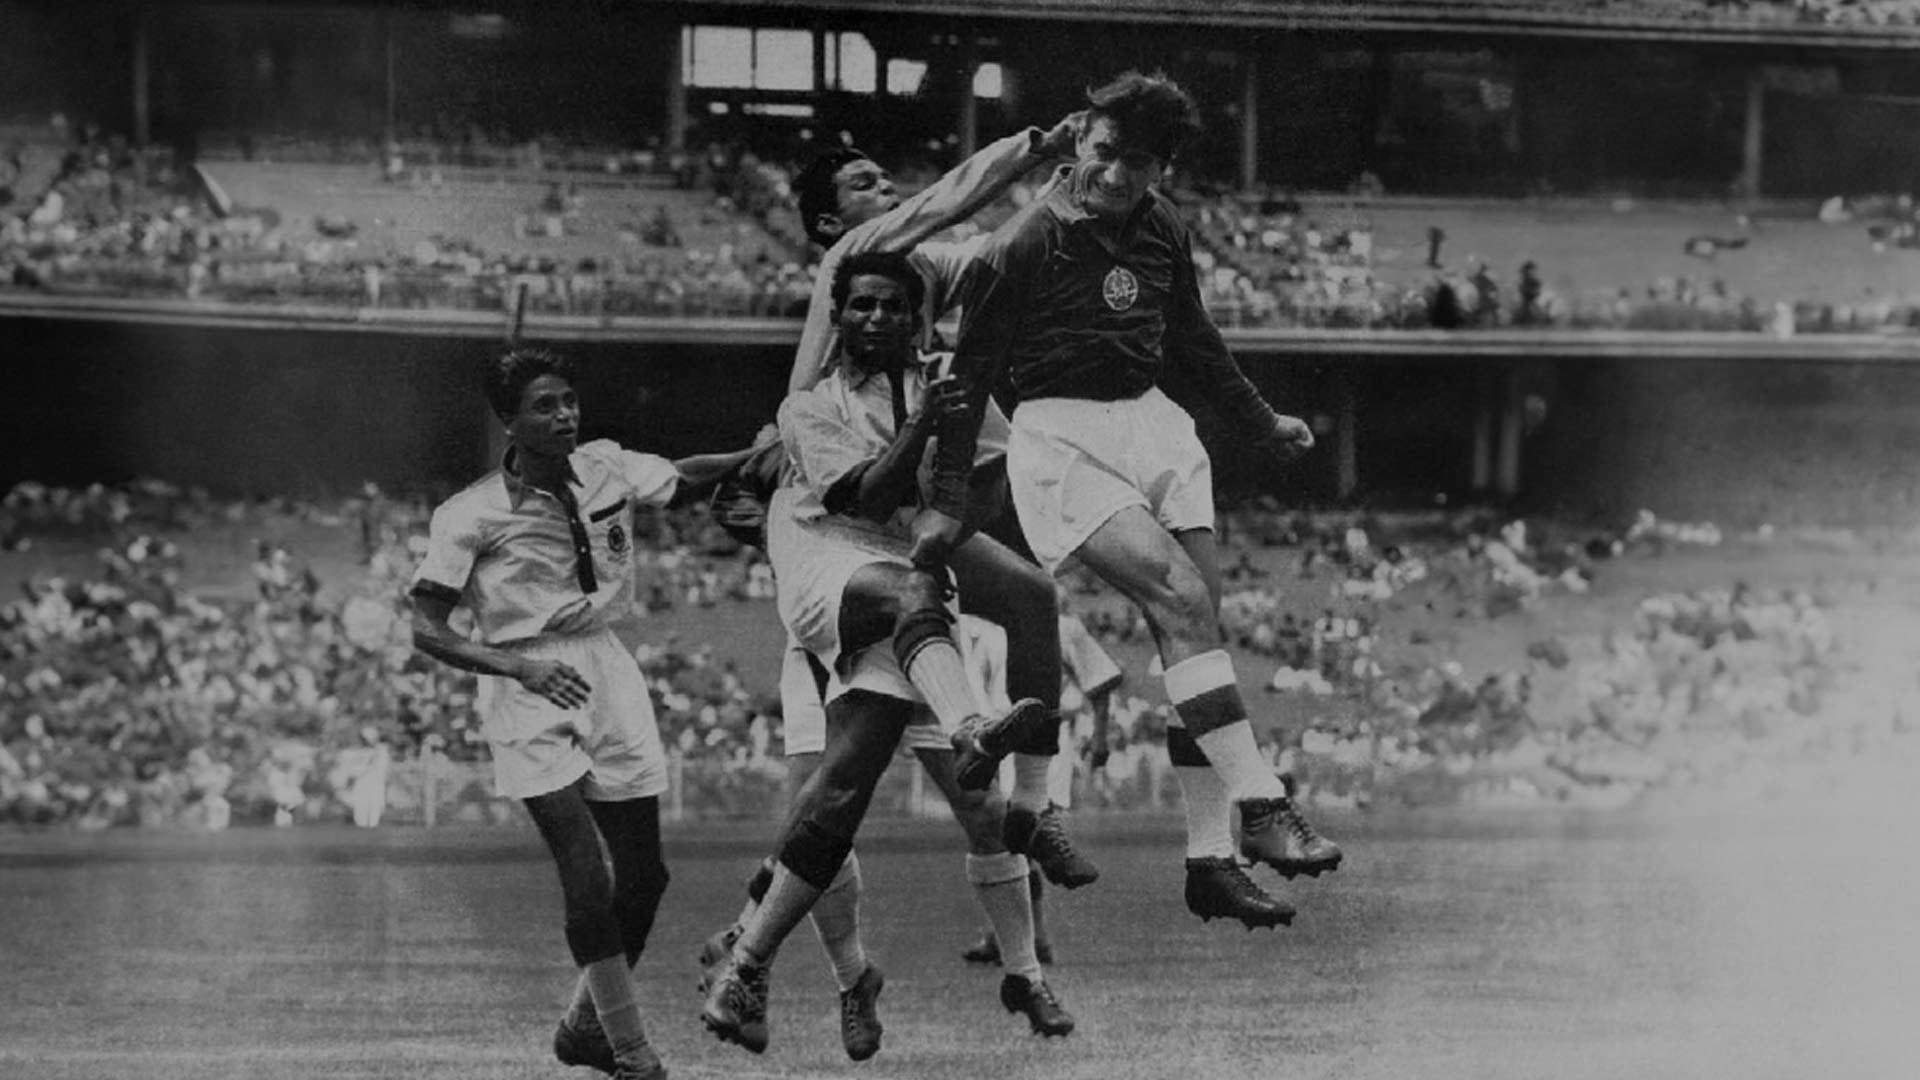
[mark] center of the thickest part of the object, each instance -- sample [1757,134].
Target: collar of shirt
[927,363]
[1064,201]
[518,489]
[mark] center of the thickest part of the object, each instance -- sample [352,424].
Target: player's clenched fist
[1290,438]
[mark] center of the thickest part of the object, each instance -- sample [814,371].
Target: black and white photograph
[959,539]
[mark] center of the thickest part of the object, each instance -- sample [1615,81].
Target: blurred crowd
[112,224]
[127,699]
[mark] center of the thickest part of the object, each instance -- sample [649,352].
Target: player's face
[877,323]
[1113,176]
[865,192]
[548,421]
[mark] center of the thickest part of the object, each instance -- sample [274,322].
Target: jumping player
[1081,301]
[848,205]
[847,593]
[539,553]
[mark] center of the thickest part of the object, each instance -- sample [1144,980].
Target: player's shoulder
[474,503]
[1164,212]
[1030,229]
[608,454]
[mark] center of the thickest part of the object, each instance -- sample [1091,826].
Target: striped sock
[936,671]
[1203,796]
[1206,697]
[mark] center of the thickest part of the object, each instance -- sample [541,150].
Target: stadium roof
[1893,24]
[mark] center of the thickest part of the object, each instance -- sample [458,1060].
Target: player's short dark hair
[509,373]
[1152,112]
[817,192]
[890,264]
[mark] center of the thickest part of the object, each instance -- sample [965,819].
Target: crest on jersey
[617,539]
[1120,289]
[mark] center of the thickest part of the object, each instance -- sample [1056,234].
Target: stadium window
[904,76]
[856,69]
[718,56]
[782,60]
[742,58]
[478,27]
[987,81]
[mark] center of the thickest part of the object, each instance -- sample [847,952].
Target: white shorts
[539,747]
[1073,463]
[804,716]
[812,562]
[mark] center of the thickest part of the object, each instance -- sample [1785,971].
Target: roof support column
[677,90]
[1753,137]
[969,130]
[1249,120]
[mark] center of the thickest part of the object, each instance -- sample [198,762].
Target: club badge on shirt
[1120,289]
[617,540]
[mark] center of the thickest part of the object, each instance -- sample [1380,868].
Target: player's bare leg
[594,933]
[907,607]
[999,879]
[1134,554]
[1272,830]
[1000,586]
[862,730]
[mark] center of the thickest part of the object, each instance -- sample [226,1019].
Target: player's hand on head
[935,535]
[557,682]
[1060,139]
[1290,438]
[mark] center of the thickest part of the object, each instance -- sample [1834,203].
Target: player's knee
[1030,594]
[982,815]
[1184,607]
[593,932]
[813,853]
[921,624]
[864,728]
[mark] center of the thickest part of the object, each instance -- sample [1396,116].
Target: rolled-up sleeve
[453,545]
[820,442]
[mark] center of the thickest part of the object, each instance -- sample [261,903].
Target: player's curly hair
[891,264]
[1152,111]
[507,376]
[818,194]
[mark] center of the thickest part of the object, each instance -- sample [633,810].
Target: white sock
[789,898]
[936,671]
[1236,757]
[1000,884]
[1209,812]
[1030,781]
[836,919]
[613,999]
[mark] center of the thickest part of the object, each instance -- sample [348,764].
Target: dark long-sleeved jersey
[1061,305]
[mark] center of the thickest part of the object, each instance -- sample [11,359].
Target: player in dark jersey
[1081,302]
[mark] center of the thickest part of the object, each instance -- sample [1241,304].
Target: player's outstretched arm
[701,472]
[955,197]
